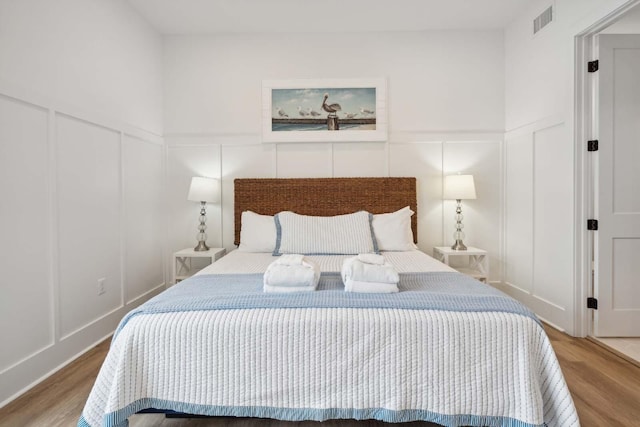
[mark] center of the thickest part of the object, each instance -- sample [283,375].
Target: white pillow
[393,230]
[257,233]
[324,235]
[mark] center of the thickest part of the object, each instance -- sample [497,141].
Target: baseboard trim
[53,371]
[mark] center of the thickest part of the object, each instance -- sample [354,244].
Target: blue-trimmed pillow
[348,234]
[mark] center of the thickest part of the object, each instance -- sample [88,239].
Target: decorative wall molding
[103,330]
[329,159]
[553,310]
[63,347]
[25,259]
[91,323]
[28,96]
[536,126]
[417,136]
[541,127]
[401,137]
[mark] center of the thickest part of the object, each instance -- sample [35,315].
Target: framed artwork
[324,110]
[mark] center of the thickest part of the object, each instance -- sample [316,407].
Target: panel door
[617,253]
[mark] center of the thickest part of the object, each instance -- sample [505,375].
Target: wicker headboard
[324,197]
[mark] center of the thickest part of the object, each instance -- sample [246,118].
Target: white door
[617,253]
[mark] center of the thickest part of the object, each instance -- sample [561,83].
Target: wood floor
[605,389]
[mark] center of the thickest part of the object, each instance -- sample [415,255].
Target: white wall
[628,24]
[81,172]
[97,56]
[540,218]
[446,114]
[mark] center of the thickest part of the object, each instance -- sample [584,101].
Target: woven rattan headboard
[324,197]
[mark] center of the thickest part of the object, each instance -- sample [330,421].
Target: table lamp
[458,188]
[203,190]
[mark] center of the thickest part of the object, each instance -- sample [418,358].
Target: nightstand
[477,261]
[182,261]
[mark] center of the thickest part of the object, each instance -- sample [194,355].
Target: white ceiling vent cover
[543,19]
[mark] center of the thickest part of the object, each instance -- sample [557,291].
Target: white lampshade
[204,190]
[459,187]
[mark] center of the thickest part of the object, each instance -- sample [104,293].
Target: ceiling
[281,16]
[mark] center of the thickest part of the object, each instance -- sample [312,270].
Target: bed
[446,349]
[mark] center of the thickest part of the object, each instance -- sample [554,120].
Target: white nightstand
[182,266]
[477,261]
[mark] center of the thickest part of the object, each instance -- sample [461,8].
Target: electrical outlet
[101,288]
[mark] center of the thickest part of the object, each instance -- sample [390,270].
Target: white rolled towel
[375,259]
[370,287]
[354,269]
[290,259]
[291,273]
[278,289]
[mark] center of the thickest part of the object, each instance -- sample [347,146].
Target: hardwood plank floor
[605,389]
[604,386]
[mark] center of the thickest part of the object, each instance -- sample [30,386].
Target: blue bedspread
[445,349]
[446,291]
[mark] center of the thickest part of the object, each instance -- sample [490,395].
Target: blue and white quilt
[445,349]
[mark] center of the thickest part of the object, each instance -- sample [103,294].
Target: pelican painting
[321,109]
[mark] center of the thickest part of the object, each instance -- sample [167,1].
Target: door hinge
[592,145]
[592,224]
[592,303]
[592,66]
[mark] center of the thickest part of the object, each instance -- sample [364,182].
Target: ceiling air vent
[543,19]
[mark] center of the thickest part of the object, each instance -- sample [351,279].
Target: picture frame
[324,110]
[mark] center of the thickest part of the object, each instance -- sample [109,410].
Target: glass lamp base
[202,246]
[459,246]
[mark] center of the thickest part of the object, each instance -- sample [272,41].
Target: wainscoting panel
[89,211]
[302,160]
[354,159]
[62,180]
[26,292]
[144,218]
[424,160]
[553,216]
[518,251]
[539,219]
[625,273]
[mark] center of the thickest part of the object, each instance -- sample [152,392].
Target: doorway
[608,111]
